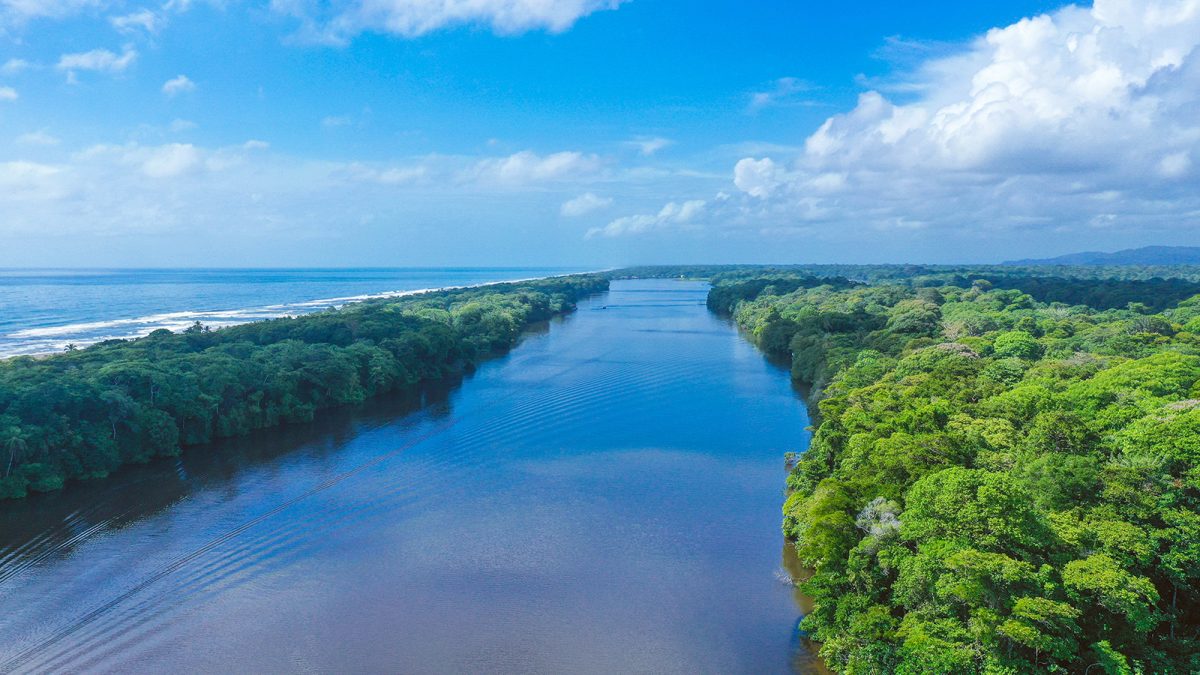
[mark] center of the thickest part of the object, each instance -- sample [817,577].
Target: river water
[603,499]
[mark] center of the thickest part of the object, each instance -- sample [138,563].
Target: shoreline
[260,313]
[173,391]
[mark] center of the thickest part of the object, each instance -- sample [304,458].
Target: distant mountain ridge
[1147,255]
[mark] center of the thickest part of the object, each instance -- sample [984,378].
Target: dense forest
[917,275]
[1100,287]
[997,484]
[82,414]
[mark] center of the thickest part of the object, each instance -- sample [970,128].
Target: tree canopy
[83,413]
[997,483]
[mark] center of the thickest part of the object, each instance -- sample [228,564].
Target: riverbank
[82,414]
[979,452]
[49,310]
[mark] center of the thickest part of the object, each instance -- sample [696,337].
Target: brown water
[603,499]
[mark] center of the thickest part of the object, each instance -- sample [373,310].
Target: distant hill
[1147,255]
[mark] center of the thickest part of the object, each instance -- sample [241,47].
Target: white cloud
[757,177]
[15,66]
[254,144]
[39,137]
[584,204]
[105,190]
[782,91]
[168,161]
[8,94]
[386,174]
[402,175]
[15,13]
[181,125]
[527,167]
[1061,123]
[100,60]
[251,193]
[178,85]
[1059,92]
[141,20]
[334,121]
[1175,165]
[29,182]
[647,146]
[409,19]
[673,215]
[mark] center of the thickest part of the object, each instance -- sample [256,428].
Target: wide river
[604,499]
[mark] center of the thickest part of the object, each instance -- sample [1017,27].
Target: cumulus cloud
[341,21]
[1078,121]
[99,60]
[171,160]
[178,85]
[757,177]
[528,167]
[672,216]
[584,204]
[8,94]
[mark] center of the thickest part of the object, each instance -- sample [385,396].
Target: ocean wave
[52,339]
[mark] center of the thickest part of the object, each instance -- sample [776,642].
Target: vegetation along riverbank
[998,483]
[82,414]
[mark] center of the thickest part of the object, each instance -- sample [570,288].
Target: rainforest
[82,414]
[997,483]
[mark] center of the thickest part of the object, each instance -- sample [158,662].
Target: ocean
[44,310]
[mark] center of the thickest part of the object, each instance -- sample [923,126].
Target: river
[605,498]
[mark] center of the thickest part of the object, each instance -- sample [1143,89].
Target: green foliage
[1149,288]
[1017,344]
[1126,600]
[995,485]
[84,413]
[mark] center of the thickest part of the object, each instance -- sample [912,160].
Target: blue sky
[592,132]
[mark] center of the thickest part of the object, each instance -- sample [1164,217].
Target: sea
[43,311]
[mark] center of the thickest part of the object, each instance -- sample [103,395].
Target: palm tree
[16,445]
